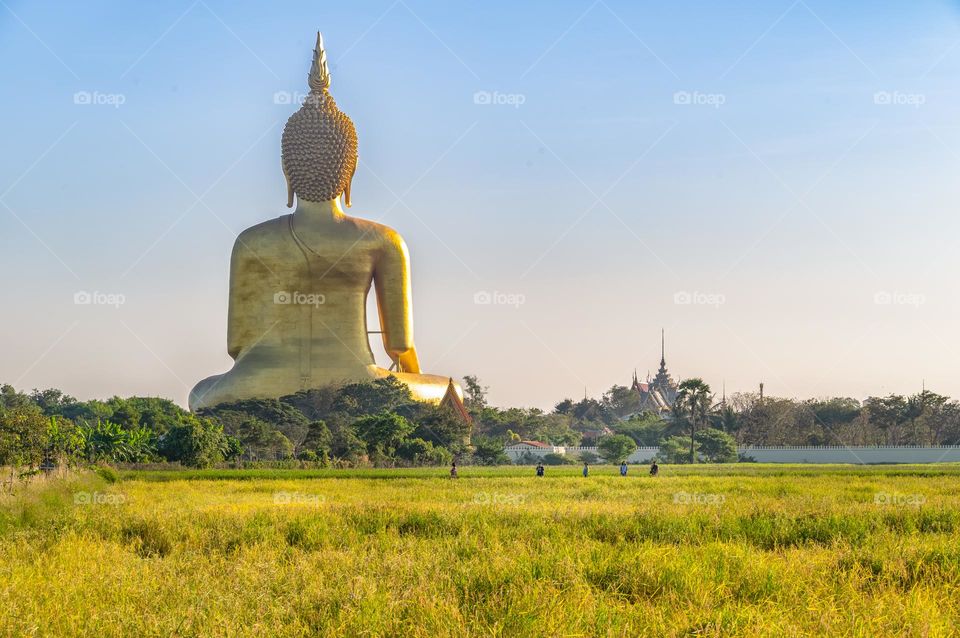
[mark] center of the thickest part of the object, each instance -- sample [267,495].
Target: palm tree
[694,404]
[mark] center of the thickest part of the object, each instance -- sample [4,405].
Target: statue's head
[319,144]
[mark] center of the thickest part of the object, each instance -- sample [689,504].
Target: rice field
[708,551]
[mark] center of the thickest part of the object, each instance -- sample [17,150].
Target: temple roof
[452,400]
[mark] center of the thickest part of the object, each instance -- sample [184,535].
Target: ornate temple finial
[663,359]
[319,77]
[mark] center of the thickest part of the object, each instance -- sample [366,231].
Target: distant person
[623,469]
[654,469]
[539,469]
[586,469]
[453,470]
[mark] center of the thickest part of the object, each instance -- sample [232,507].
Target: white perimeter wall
[809,454]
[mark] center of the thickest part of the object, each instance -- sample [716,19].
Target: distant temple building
[659,394]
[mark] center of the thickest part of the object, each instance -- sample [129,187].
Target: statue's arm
[391,278]
[240,329]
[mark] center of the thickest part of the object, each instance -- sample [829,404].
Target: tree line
[371,423]
[705,427]
[378,423]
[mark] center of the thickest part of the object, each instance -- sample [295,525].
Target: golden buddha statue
[299,283]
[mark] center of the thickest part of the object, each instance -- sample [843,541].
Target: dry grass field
[709,550]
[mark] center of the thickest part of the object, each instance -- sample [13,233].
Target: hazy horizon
[771,184]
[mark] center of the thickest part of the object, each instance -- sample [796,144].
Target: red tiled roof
[533,444]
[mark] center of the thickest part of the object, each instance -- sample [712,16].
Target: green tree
[277,414]
[383,432]
[441,426]
[646,429]
[107,441]
[715,446]
[674,450]
[258,439]
[692,407]
[23,434]
[346,445]
[621,401]
[195,441]
[489,451]
[373,397]
[615,448]
[564,407]
[419,452]
[474,394]
[318,439]
[64,441]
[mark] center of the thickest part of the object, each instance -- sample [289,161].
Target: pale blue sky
[803,200]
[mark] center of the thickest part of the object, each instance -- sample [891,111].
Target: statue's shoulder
[380,233]
[264,234]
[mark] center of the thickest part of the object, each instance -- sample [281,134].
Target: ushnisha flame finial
[319,78]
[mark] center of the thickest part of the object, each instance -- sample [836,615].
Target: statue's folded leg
[426,387]
[204,393]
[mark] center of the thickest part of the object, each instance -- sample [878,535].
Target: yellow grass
[697,551]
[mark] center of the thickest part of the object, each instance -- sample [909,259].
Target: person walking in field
[453,470]
[539,469]
[586,469]
[623,469]
[654,469]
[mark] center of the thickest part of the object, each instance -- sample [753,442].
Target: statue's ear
[346,191]
[289,186]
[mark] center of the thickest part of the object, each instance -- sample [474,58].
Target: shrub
[557,459]
[589,457]
[107,473]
